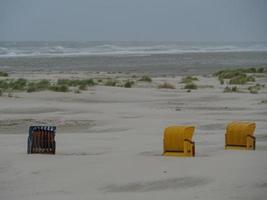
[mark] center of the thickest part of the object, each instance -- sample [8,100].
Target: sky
[133,20]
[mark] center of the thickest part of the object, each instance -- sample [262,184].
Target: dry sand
[109,144]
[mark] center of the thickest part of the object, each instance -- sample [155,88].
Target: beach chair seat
[177,141]
[239,135]
[41,140]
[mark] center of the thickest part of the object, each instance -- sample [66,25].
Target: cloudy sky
[134,20]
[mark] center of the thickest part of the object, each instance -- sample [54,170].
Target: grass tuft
[166,85]
[59,88]
[128,84]
[190,86]
[111,82]
[228,89]
[189,79]
[3,74]
[241,79]
[255,89]
[75,82]
[238,76]
[145,79]
[83,87]
[62,85]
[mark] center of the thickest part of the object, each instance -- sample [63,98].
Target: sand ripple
[166,184]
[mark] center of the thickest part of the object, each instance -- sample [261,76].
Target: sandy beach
[109,141]
[125,83]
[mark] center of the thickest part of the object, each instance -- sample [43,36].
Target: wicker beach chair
[239,135]
[178,141]
[41,140]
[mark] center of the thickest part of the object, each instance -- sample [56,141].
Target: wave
[128,49]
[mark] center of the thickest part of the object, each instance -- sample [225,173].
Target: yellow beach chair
[178,141]
[239,135]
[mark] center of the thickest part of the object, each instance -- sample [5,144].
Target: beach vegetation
[191,86]
[89,82]
[41,85]
[228,89]
[31,88]
[241,79]
[237,76]
[4,84]
[111,82]
[75,82]
[59,88]
[18,84]
[166,85]
[128,84]
[189,79]
[76,91]
[230,73]
[83,87]
[255,89]
[263,101]
[10,94]
[261,70]
[145,79]
[1,93]
[3,74]
[221,81]
[61,85]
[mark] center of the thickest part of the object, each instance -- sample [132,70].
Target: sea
[131,57]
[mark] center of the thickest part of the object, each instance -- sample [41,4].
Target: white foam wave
[121,50]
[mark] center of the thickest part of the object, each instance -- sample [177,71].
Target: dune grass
[263,101]
[189,83]
[61,85]
[59,88]
[75,82]
[228,89]
[238,76]
[255,89]
[166,85]
[241,79]
[11,84]
[230,73]
[146,79]
[111,82]
[128,84]
[4,85]
[190,86]
[83,87]
[119,83]
[3,74]
[38,86]
[221,81]
[189,79]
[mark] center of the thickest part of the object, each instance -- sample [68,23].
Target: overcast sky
[134,20]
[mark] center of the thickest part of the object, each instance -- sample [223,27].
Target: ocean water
[148,57]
